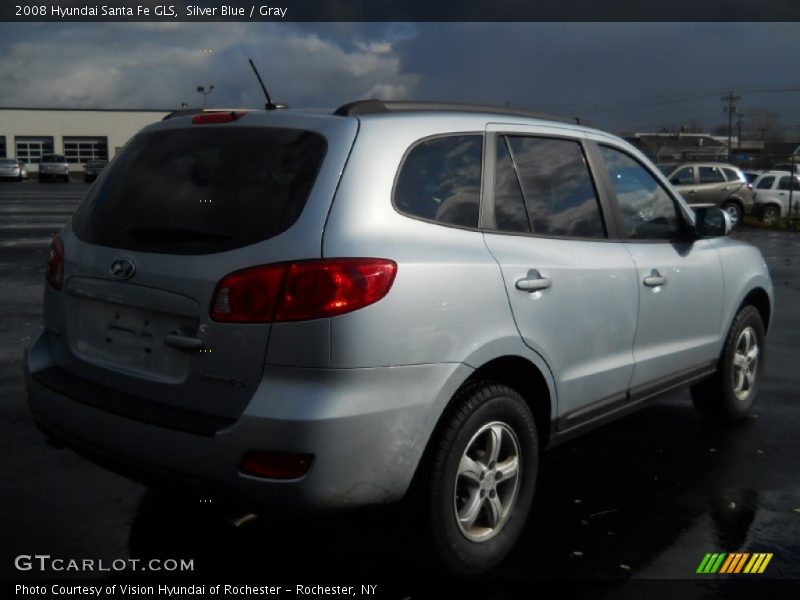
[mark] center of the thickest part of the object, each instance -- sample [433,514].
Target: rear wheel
[770,215]
[731,393]
[483,479]
[734,211]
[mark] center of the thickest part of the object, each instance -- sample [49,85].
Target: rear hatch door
[181,207]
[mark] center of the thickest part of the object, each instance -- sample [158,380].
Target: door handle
[692,191]
[533,282]
[655,279]
[183,342]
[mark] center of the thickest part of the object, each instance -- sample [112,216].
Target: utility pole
[731,99]
[739,131]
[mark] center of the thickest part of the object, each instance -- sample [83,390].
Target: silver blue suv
[331,310]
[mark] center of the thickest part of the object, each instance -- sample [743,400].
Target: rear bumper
[367,430]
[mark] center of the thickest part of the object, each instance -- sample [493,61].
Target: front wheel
[731,392]
[483,478]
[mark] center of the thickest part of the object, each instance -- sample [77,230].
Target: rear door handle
[692,191]
[655,279]
[183,342]
[533,282]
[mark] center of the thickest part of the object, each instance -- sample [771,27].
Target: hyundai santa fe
[319,310]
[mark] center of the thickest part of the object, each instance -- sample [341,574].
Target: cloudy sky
[620,76]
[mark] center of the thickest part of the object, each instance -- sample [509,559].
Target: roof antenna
[270,105]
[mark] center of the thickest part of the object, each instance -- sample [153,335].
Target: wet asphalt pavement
[643,498]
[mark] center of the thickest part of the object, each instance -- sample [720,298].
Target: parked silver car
[714,184]
[53,166]
[775,191]
[11,168]
[318,310]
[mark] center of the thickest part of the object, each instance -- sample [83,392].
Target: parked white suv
[320,310]
[774,191]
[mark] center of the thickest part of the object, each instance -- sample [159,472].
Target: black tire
[720,396]
[770,215]
[502,409]
[732,207]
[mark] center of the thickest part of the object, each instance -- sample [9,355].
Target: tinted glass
[765,183]
[710,175]
[732,175]
[648,211]
[440,180]
[53,158]
[783,184]
[509,206]
[683,177]
[201,190]
[558,190]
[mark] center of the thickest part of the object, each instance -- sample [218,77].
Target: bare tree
[763,124]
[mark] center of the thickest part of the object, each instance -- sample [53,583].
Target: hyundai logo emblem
[122,269]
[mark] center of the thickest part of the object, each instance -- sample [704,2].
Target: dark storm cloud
[620,76]
[609,72]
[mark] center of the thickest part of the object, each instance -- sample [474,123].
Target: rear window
[53,158]
[201,190]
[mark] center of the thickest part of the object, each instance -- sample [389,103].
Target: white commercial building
[77,133]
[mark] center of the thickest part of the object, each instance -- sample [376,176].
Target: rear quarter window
[201,190]
[440,180]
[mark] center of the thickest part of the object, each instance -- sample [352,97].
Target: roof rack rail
[374,106]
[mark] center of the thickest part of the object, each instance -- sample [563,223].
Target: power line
[653,102]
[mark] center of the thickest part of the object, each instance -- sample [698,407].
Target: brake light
[302,290]
[276,465]
[217,117]
[54,273]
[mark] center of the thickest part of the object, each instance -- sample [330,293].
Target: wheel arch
[758,298]
[532,381]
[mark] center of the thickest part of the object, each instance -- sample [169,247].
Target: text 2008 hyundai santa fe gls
[328,310]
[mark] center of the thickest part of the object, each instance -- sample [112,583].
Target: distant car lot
[653,492]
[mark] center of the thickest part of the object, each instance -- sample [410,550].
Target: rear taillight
[302,290]
[217,117]
[54,273]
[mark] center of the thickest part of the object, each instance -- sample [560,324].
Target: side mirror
[711,221]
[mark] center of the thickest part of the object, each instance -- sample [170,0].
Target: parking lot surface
[643,498]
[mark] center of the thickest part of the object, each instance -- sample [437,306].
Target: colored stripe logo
[733,563]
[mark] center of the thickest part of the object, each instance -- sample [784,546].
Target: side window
[440,180]
[648,211]
[710,175]
[509,205]
[765,183]
[783,183]
[683,177]
[559,194]
[733,175]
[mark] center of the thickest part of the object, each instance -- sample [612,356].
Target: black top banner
[401,10]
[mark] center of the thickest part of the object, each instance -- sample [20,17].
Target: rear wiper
[174,234]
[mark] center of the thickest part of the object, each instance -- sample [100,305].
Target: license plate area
[130,339]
